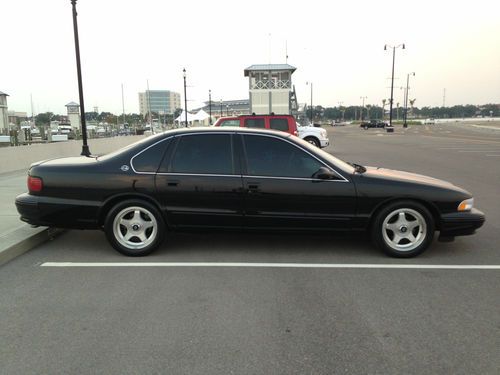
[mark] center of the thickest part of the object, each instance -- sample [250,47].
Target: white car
[313,135]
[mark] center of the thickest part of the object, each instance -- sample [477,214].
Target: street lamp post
[392,77]
[227,109]
[85,147]
[406,97]
[221,108]
[185,97]
[210,105]
[307,83]
[363,106]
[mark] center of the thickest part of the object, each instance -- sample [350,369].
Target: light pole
[406,97]
[363,106]
[185,98]
[392,78]
[85,147]
[221,108]
[210,105]
[227,109]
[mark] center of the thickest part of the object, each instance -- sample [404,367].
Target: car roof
[201,129]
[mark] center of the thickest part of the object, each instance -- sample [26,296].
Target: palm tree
[412,101]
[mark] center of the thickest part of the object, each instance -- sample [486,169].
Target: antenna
[286,52]
[269,48]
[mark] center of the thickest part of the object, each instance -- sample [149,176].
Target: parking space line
[274,265]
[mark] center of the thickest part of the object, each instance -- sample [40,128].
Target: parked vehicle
[250,179]
[312,134]
[373,124]
[429,121]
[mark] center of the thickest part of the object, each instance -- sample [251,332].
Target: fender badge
[124,168]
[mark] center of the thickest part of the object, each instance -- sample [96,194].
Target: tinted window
[149,160]
[268,156]
[204,153]
[255,123]
[279,124]
[230,123]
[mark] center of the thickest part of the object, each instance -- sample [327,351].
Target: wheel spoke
[402,219]
[147,224]
[142,236]
[137,215]
[128,235]
[397,238]
[413,224]
[411,238]
[125,222]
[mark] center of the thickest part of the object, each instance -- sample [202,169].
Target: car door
[282,192]
[199,183]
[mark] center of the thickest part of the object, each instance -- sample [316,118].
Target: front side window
[203,154]
[269,156]
[255,123]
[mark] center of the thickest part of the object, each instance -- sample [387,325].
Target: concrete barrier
[20,157]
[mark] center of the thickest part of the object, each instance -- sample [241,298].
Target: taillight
[35,184]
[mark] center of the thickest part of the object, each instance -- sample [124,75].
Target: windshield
[344,166]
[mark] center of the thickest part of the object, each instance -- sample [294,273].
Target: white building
[271,89]
[4,118]
[160,101]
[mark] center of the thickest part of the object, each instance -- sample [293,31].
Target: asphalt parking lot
[176,317]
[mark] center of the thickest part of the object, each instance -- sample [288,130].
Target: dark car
[240,179]
[373,124]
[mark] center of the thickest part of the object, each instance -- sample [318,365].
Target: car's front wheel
[134,227]
[403,229]
[313,141]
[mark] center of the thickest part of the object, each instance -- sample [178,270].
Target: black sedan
[240,179]
[373,124]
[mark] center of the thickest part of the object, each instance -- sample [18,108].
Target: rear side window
[255,123]
[203,154]
[149,159]
[279,124]
[230,123]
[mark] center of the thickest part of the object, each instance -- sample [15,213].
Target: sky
[337,45]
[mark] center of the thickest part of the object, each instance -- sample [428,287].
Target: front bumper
[324,142]
[461,223]
[57,212]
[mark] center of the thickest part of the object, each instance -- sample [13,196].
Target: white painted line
[478,151]
[492,154]
[274,265]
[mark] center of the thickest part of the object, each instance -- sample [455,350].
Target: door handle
[252,188]
[173,183]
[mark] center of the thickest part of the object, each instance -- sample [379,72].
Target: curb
[23,240]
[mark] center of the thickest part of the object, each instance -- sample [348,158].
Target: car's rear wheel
[134,227]
[403,229]
[312,141]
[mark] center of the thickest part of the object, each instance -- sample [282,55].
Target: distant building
[227,108]
[74,115]
[4,118]
[271,89]
[160,101]
[16,117]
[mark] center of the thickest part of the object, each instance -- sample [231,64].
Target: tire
[312,141]
[403,229]
[134,227]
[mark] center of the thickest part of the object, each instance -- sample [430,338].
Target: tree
[44,118]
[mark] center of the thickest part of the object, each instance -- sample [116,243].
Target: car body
[373,124]
[236,178]
[429,121]
[286,123]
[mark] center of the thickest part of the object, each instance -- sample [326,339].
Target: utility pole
[363,106]
[185,97]
[392,77]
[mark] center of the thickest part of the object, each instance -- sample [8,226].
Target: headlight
[466,205]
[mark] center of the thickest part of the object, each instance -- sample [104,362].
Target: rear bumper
[56,212]
[461,223]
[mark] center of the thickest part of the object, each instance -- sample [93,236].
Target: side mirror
[324,173]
